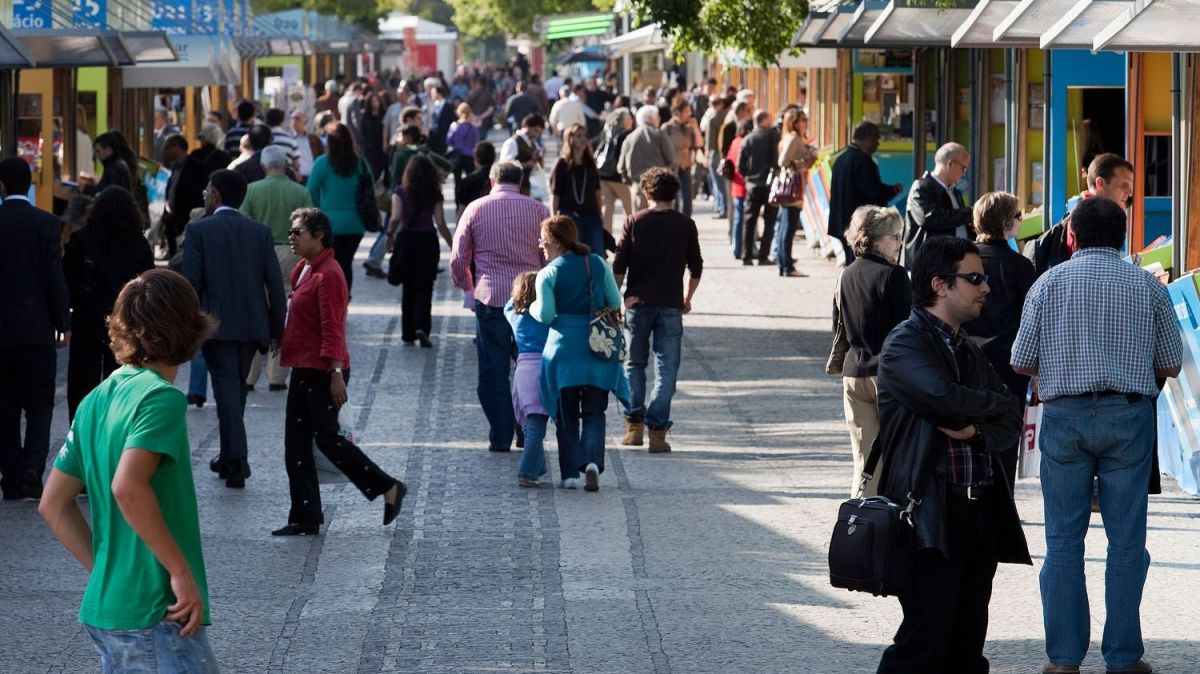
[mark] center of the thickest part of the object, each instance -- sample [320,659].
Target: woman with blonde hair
[575,187]
[576,381]
[872,296]
[796,156]
[530,336]
[461,139]
[996,219]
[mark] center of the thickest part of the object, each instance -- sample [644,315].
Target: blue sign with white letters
[172,16]
[33,14]
[90,13]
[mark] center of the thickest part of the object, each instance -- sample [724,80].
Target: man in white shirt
[570,109]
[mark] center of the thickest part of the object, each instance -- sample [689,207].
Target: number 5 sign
[90,13]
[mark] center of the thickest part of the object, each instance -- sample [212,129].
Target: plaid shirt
[968,465]
[1096,323]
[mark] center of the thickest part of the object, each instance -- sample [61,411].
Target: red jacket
[315,334]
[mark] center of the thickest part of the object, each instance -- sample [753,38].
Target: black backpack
[608,155]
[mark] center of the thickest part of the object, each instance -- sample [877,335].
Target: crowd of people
[940,327]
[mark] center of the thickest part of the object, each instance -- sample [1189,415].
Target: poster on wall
[999,169]
[1037,106]
[998,99]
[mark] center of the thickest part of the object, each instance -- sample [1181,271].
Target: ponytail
[565,232]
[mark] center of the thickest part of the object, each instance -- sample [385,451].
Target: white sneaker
[570,483]
[591,478]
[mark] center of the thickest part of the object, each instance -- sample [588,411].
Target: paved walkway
[709,559]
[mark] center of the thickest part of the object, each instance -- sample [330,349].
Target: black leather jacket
[930,212]
[922,387]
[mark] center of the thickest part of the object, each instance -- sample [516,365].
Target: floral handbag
[605,338]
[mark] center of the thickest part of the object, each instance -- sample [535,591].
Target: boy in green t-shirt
[128,446]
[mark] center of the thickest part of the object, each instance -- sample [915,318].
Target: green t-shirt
[135,408]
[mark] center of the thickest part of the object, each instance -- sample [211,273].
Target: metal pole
[918,104]
[1010,123]
[1178,223]
[1047,147]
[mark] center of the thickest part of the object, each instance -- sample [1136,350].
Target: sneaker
[591,478]
[526,482]
[570,483]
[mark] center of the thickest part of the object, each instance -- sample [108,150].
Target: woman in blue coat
[575,381]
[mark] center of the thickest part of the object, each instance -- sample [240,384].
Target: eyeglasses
[296,231]
[974,278]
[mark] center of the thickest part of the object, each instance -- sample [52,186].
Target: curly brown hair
[157,319]
[660,182]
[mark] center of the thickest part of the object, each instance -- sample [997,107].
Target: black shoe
[424,339]
[766,262]
[493,448]
[249,388]
[32,491]
[196,400]
[390,510]
[297,530]
[236,483]
[746,262]
[219,468]
[15,494]
[375,272]
[520,438]
[277,387]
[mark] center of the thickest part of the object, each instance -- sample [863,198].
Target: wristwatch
[336,370]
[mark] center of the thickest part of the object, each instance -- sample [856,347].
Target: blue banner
[31,14]
[90,13]
[208,14]
[172,16]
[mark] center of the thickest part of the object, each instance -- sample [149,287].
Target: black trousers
[946,613]
[229,366]
[464,165]
[312,416]
[758,201]
[416,309]
[91,360]
[344,248]
[26,387]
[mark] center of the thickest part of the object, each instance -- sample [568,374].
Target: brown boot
[633,433]
[658,441]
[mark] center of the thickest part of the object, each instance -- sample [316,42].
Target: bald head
[951,163]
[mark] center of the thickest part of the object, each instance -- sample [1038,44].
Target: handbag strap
[923,472]
[587,267]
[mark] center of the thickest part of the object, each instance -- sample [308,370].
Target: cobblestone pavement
[708,559]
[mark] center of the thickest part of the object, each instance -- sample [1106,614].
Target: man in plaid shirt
[1096,333]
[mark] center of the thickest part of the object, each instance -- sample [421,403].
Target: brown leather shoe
[1050,668]
[634,433]
[1141,667]
[658,441]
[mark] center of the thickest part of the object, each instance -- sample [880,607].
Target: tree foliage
[762,29]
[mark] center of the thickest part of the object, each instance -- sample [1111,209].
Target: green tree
[438,11]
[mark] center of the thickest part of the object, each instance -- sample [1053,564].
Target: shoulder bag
[605,338]
[365,202]
[874,539]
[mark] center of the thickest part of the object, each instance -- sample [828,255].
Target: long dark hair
[343,156]
[421,183]
[116,217]
[115,141]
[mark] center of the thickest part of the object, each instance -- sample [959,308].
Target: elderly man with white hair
[935,205]
[645,148]
[271,201]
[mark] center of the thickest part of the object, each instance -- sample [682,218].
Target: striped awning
[579,25]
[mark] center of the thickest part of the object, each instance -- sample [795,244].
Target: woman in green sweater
[333,185]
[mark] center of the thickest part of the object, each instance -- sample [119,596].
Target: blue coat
[230,261]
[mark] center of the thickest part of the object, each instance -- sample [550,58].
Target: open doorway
[1095,124]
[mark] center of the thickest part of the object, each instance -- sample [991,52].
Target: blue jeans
[665,326]
[378,251]
[494,348]
[739,222]
[785,235]
[157,650]
[591,230]
[1111,439]
[533,457]
[580,429]
[716,184]
[683,202]
[198,377]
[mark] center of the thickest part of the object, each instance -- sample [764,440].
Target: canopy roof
[981,23]
[1077,28]
[12,53]
[916,23]
[810,31]
[1153,25]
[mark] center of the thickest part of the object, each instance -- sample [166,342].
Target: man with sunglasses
[935,204]
[944,417]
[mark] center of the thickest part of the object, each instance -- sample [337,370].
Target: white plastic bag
[539,186]
[1030,462]
[327,473]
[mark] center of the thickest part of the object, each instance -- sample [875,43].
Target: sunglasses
[974,278]
[296,231]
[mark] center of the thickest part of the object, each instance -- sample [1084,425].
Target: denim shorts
[157,650]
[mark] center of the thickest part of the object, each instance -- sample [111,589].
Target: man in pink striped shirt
[496,239]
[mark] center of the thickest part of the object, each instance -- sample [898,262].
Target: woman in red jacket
[314,346]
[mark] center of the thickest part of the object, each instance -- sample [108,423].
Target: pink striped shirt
[498,234]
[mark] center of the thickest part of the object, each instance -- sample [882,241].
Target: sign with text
[172,16]
[31,14]
[90,13]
